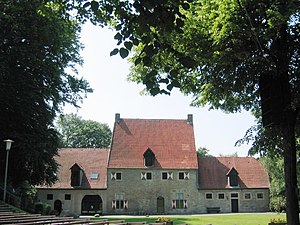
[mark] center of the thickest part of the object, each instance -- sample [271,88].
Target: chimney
[117,118]
[190,119]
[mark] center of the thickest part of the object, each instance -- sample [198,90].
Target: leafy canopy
[79,133]
[38,41]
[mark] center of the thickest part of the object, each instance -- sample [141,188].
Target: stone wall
[142,195]
[244,202]
[74,204]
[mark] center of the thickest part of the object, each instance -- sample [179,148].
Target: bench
[213,209]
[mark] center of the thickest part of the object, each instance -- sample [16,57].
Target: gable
[171,141]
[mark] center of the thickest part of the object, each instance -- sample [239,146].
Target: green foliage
[203,152]
[38,42]
[79,133]
[42,208]
[274,166]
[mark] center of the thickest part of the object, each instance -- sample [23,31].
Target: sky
[113,93]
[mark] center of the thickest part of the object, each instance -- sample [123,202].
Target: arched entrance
[58,206]
[91,204]
[160,205]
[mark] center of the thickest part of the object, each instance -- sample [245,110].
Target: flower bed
[278,221]
[166,220]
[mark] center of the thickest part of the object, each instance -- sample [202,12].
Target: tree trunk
[279,115]
[290,174]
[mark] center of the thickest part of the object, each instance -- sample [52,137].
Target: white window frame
[113,175]
[212,195]
[120,202]
[250,196]
[169,175]
[261,194]
[144,175]
[186,175]
[220,194]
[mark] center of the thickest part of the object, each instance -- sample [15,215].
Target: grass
[216,219]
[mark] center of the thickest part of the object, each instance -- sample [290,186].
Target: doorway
[234,202]
[91,204]
[58,206]
[160,205]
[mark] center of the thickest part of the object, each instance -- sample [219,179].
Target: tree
[203,152]
[274,166]
[230,54]
[79,133]
[38,41]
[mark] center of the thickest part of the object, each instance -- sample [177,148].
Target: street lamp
[8,145]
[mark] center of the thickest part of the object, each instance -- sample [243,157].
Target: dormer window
[233,177]
[76,175]
[149,158]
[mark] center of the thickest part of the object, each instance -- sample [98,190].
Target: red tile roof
[91,160]
[213,172]
[172,142]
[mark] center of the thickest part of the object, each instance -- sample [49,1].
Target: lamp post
[8,145]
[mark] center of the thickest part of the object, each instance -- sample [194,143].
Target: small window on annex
[247,195]
[67,197]
[149,158]
[221,196]
[49,196]
[208,195]
[260,196]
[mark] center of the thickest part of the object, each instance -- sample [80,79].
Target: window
[120,202]
[234,195]
[76,175]
[179,200]
[167,176]
[208,195]
[164,175]
[247,195]
[146,176]
[183,175]
[260,196]
[49,196]
[221,196]
[116,176]
[67,197]
[233,177]
[149,158]
[94,176]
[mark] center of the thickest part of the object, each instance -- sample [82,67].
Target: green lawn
[216,219]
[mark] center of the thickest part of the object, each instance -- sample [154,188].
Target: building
[152,168]
[82,181]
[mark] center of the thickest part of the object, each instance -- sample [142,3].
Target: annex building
[152,168]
